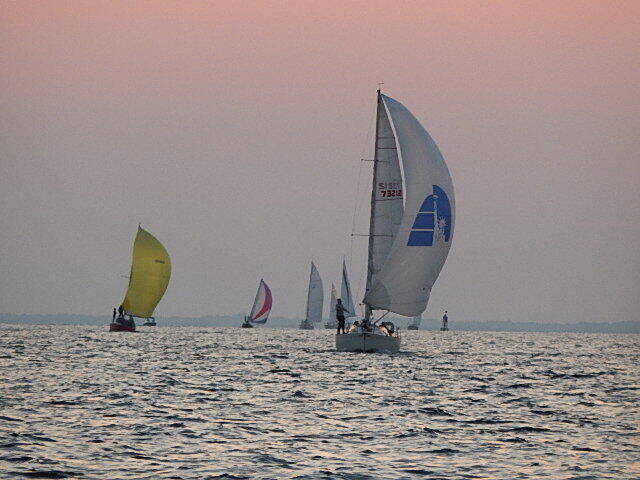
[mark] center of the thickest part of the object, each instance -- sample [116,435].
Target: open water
[214,403]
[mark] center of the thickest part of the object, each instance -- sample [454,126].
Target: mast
[367,308]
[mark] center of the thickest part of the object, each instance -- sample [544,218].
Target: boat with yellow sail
[150,273]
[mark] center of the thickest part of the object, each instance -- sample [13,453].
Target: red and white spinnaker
[261,305]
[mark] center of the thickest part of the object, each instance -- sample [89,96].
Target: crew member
[340,315]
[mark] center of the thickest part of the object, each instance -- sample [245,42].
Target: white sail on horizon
[315,296]
[332,305]
[345,291]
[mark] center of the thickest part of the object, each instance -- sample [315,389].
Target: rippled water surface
[197,403]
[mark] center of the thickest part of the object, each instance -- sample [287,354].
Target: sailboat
[410,230]
[150,273]
[332,322]
[415,323]
[261,307]
[315,295]
[345,296]
[345,292]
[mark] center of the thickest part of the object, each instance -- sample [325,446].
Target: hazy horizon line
[428,324]
[242,314]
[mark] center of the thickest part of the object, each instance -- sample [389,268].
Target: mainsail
[314,296]
[345,291]
[386,196]
[261,304]
[150,273]
[418,247]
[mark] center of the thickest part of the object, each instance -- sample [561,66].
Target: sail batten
[422,238]
[150,273]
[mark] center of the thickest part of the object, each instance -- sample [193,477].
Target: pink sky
[233,131]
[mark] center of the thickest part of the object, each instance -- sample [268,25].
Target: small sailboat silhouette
[315,294]
[261,306]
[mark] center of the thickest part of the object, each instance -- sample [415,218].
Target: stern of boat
[364,342]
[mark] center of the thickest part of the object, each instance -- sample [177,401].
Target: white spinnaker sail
[332,305]
[386,196]
[345,292]
[423,240]
[314,296]
[261,304]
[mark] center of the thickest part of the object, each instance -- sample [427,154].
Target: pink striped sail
[261,305]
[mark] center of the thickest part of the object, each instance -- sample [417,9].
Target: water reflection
[203,403]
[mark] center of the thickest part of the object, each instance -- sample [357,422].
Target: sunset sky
[233,131]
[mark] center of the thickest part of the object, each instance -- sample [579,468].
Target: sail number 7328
[390,193]
[390,189]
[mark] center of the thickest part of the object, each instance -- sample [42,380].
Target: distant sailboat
[345,296]
[411,226]
[315,295]
[261,307]
[415,323]
[150,273]
[332,322]
[345,292]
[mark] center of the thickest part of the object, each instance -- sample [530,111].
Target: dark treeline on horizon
[283,322]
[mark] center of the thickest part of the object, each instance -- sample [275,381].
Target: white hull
[367,342]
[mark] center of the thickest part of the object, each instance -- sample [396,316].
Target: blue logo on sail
[433,222]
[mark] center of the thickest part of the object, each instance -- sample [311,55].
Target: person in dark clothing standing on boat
[120,312]
[340,315]
[114,313]
[445,321]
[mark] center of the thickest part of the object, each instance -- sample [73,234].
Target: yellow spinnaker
[150,273]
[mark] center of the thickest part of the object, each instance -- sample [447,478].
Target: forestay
[261,304]
[314,296]
[423,239]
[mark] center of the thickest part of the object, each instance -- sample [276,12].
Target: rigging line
[363,267]
[355,212]
[362,154]
[387,313]
[365,146]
